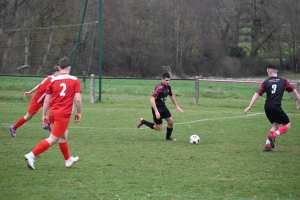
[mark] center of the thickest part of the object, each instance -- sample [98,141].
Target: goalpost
[48,45]
[79,40]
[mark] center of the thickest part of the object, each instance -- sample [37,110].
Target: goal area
[34,49]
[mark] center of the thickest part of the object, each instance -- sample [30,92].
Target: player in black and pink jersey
[159,108]
[274,87]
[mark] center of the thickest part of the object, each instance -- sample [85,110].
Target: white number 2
[63,91]
[274,87]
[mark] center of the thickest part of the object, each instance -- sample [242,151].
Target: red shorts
[59,125]
[34,106]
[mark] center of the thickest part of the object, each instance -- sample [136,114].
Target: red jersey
[63,89]
[40,94]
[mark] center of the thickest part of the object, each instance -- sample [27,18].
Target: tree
[291,32]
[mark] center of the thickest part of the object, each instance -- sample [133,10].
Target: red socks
[19,123]
[44,145]
[268,146]
[41,147]
[282,130]
[64,150]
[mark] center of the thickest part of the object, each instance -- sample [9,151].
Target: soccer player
[159,108]
[36,102]
[60,95]
[274,87]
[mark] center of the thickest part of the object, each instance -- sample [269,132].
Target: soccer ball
[194,139]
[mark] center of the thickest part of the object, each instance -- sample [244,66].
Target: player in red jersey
[274,87]
[60,95]
[36,102]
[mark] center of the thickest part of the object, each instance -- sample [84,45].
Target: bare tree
[8,23]
[262,24]
[291,32]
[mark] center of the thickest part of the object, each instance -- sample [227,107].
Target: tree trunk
[48,46]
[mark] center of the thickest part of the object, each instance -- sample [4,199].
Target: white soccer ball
[194,139]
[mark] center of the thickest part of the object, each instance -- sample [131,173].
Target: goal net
[35,50]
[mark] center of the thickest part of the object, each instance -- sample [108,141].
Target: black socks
[169,133]
[149,124]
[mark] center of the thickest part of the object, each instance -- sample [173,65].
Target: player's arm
[153,104]
[297,97]
[45,118]
[253,100]
[27,94]
[175,103]
[78,104]
[289,88]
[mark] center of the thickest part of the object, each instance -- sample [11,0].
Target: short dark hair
[166,75]
[271,66]
[64,62]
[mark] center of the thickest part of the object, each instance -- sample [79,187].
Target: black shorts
[164,113]
[275,114]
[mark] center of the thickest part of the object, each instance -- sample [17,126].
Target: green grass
[119,161]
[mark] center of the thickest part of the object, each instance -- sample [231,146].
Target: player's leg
[39,149]
[63,141]
[20,122]
[282,130]
[32,110]
[270,142]
[57,133]
[157,125]
[165,113]
[276,116]
[269,110]
[277,131]
[64,147]
[154,126]
[275,127]
[281,118]
[170,129]
[140,122]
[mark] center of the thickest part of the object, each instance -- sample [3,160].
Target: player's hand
[77,117]
[45,120]
[246,110]
[157,115]
[179,109]
[26,94]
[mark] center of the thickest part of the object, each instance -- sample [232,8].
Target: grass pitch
[119,161]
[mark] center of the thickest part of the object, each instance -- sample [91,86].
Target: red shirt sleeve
[261,89]
[288,86]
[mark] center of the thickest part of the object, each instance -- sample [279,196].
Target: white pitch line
[180,123]
[210,119]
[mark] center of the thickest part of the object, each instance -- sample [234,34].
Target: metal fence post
[196,90]
[84,80]
[298,89]
[92,89]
